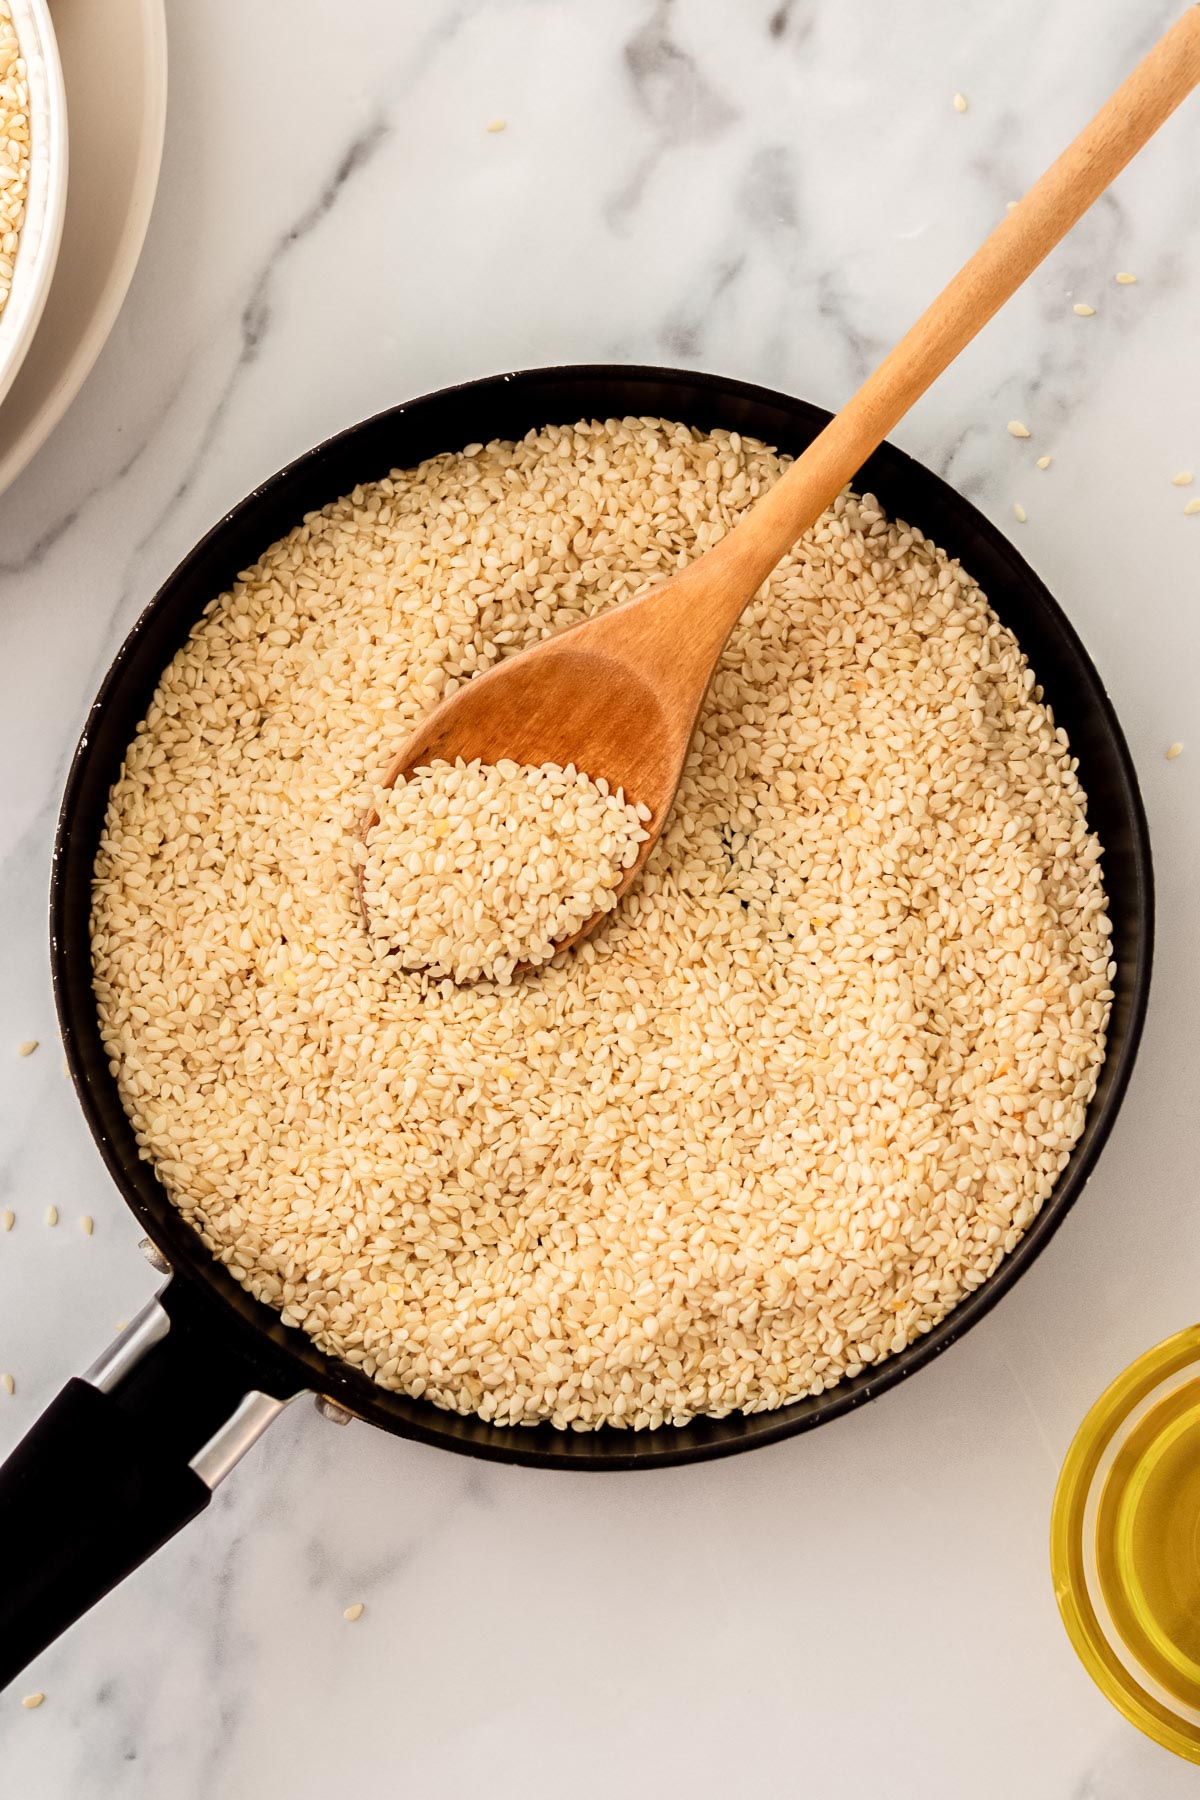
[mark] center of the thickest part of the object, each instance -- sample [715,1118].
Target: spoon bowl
[587,695]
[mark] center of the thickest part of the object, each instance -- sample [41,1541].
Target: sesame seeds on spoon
[472,870]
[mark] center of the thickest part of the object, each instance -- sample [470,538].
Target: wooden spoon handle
[997,269]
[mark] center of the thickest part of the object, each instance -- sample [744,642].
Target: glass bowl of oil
[1125,1543]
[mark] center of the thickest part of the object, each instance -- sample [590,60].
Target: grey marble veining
[770,189]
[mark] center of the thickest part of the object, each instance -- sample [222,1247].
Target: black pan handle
[116,1465]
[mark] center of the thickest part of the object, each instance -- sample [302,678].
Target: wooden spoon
[619,695]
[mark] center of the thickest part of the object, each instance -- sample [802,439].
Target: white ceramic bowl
[37,247]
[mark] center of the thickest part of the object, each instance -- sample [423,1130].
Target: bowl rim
[306,482]
[46,202]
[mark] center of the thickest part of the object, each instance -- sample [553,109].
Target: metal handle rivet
[154,1256]
[329,1409]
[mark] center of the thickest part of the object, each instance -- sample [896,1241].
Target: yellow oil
[1148,1542]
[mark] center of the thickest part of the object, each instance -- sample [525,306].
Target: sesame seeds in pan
[812,1080]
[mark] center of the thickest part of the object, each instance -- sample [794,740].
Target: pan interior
[508,406]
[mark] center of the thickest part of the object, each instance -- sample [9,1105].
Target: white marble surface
[768,190]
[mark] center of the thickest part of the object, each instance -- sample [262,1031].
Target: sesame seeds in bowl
[814,1081]
[14,148]
[33,174]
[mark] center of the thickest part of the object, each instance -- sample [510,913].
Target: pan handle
[117,1464]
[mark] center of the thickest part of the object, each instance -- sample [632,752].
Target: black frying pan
[127,1455]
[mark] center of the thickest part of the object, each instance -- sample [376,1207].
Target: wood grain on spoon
[619,695]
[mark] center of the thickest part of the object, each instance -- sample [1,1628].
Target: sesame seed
[1192,506]
[752,1144]
[32,1701]
[1043,462]
[1183,478]
[472,870]
[28,1047]
[352,1613]
[1175,750]
[1125,278]
[87,1224]
[1016,429]
[1019,513]
[498,125]
[14,148]
[1083,310]
[52,1215]
[8,1384]
[7,1220]
[960,103]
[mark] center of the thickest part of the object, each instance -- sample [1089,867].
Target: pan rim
[203,1281]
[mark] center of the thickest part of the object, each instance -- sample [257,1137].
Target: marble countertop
[769,190]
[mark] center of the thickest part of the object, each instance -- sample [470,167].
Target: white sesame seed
[8,1384]
[1175,750]
[747,1145]
[14,148]
[960,103]
[1183,478]
[1084,311]
[1192,506]
[498,125]
[7,1220]
[52,1215]
[471,870]
[1019,513]
[87,1224]
[28,1047]
[1125,278]
[32,1701]
[1016,429]
[1043,462]
[352,1613]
